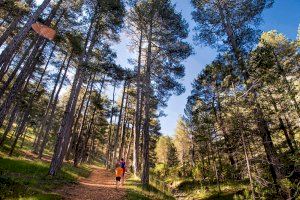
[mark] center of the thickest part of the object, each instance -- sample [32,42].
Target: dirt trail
[99,186]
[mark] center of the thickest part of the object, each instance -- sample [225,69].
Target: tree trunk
[262,125]
[27,70]
[79,144]
[281,124]
[23,124]
[52,108]
[4,69]
[123,131]
[74,139]
[116,139]
[24,137]
[89,134]
[10,29]
[16,69]
[109,148]
[10,124]
[50,103]
[129,143]
[13,45]
[148,91]
[219,121]
[64,133]
[136,143]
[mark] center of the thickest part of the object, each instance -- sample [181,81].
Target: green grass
[21,178]
[135,191]
[229,191]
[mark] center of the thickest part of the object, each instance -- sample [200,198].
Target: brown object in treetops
[44,30]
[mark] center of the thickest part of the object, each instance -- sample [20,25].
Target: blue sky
[284,16]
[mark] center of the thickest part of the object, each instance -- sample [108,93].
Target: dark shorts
[118,178]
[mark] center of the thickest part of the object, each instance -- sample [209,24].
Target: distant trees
[237,104]
[161,29]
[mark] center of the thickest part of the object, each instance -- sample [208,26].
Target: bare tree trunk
[116,139]
[63,135]
[248,167]
[136,143]
[123,130]
[10,29]
[16,69]
[89,134]
[28,68]
[10,124]
[74,139]
[53,108]
[19,131]
[148,91]
[50,103]
[26,116]
[24,137]
[4,69]
[79,144]
[13,45]
[129,143]
[109,148]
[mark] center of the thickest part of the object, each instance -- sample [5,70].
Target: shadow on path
[99,186]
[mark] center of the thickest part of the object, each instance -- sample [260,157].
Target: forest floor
[99,185]
[23,176]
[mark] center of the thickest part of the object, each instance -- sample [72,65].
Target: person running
[123,166]
[119,174]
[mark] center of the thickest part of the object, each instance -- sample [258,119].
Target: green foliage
[166,152]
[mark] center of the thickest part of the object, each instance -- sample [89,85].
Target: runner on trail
[123,166]
[119,174]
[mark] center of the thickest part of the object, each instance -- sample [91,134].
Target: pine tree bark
[64,132]
[123,131]
[26,116]
[79,144]
[28,68]
[10,124]
[111,130]
[74,139]
[13,45]
[4,69]
[116,138]
[148,91]
[52,108]
[10,29]
[50,103]
[16,69]
[136,139]
[129,143]
[63,135]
